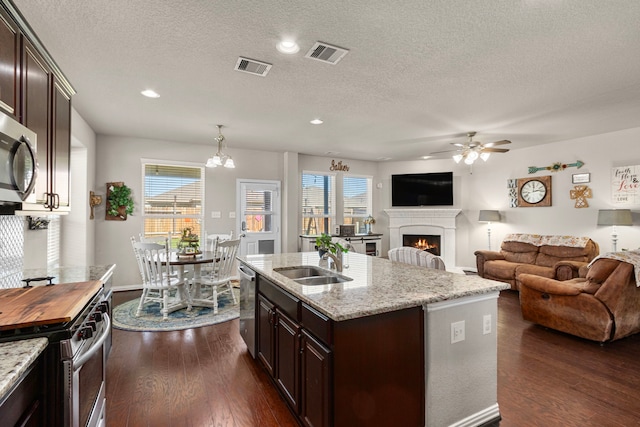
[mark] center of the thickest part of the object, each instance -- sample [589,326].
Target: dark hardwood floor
[204,377]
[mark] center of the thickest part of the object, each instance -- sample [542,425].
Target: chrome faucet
[337,260]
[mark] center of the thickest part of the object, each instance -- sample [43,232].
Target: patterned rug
[124,315]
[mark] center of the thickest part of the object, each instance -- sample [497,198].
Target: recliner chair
[603,306]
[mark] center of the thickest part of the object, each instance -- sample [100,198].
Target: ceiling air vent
[252,66]
[326,53]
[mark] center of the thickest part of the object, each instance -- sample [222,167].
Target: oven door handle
[96,345]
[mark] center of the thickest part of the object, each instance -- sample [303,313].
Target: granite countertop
[15,359]
[378,285]
[61,275]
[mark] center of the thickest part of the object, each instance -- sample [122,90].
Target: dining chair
[209,240]
[218,280]
[157,280]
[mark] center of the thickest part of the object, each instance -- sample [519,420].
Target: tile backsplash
[11,249]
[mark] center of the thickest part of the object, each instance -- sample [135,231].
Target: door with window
[259,216]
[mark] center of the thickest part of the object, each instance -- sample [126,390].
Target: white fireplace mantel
[440,222]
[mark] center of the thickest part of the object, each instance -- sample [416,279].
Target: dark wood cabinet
[60,146]
[315,367]
[9,66]
[266,333]
[287,334]
[24,406]
[47,112]
[36,101]
[34,91]
[357,372]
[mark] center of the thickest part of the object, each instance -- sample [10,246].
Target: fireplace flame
[424,245]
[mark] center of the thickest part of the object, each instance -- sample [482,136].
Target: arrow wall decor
[556,167]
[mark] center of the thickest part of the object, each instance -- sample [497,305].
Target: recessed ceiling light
[150,93]
[288,46]
[426,157]
[316,122]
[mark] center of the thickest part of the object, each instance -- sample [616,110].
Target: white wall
[486,188]
[119,159]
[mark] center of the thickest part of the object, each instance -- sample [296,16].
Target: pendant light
[220,158]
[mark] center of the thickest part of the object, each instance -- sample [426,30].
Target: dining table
[193,294]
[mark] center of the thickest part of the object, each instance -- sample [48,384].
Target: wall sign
[338,166]
[625,185]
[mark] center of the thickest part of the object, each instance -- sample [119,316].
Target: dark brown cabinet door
[36,105]
[266,319]
[315,369]
[61,146]
[288,358]
[9,66]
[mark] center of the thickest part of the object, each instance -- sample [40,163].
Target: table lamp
[489,216]
[614,217]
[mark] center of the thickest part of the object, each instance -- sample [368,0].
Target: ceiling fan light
[457,158]
[473,155]
[485,156]
[469,161]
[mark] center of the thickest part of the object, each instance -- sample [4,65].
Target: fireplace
[426,242]
[425,222]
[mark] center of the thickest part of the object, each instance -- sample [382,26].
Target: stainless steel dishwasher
[248,307]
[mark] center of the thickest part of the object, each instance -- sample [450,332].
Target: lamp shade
[614,217]
[489,216]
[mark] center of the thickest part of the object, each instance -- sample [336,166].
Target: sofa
[603,306]
[554,257]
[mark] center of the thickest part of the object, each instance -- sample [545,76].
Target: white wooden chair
[218,280]
[415,256]
[209,240]
[157,281]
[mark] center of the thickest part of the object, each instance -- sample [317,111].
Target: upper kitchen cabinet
[9,66]
[42,102]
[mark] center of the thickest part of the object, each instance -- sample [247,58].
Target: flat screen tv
[422,189]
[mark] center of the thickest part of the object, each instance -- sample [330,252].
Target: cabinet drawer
[287,302]
[317,323]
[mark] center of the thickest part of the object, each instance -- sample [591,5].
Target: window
[318,203]
[173,196]
[357,199]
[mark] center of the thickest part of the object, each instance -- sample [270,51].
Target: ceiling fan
[471,150]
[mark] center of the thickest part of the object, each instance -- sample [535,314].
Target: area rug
[124,315]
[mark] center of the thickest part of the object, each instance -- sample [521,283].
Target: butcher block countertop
[15,359]
[44,305]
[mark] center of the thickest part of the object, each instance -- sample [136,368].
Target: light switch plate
[457,332]
[232,214]
[216,214]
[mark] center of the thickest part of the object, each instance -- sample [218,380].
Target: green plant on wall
[120,196]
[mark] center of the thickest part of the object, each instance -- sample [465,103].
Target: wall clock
[534,192]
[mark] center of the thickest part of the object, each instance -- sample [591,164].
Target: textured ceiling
[419,74]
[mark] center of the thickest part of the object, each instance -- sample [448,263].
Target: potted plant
[324,244]
[119,201]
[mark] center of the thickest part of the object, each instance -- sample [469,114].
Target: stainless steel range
[75,360]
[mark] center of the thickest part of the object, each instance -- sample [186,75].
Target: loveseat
[603,306]
[554,257]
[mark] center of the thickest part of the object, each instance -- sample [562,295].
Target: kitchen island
[396,345]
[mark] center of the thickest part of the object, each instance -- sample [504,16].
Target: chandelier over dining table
[220,158]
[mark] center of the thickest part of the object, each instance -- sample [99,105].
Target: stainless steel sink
[322,280]
[310,275]
[302,271]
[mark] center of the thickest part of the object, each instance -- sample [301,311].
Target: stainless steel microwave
[18,164]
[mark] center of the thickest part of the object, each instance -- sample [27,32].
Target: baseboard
[486,417]
[127,288]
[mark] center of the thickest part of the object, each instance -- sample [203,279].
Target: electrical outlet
[216,214]
[457,332]
[486,324]
[232,215]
